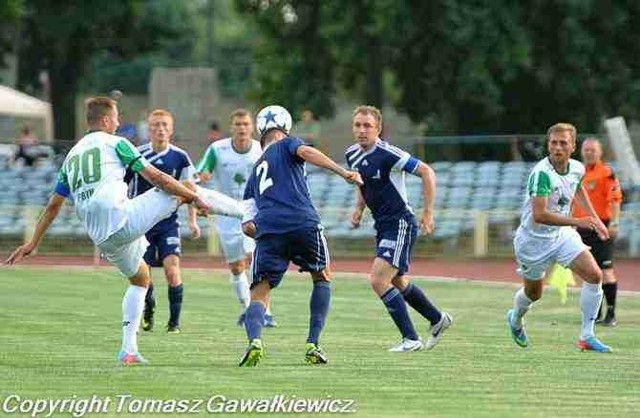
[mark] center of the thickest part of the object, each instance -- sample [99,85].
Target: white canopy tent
[15,103]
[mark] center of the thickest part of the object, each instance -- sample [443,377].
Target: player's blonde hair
[160,112]
[98,107]
[563,127]
[369,110]
[240,113]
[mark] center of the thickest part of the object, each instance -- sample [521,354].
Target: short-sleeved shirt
[230,168]
[558,188]
[603,188]
[173,161]
[279,190]
[382,168]
[92,175]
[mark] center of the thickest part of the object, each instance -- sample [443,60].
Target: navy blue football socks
[416,298]
[254,319]
[175,304]
[397,309]
[150,297]
[319,308]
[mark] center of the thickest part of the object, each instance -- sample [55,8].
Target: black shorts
[602,250]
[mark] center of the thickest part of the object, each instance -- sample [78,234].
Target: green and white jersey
[92,175]
[230,168]
[558,188]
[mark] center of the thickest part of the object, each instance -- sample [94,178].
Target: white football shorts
[126,247]
[235,244]
[535,255]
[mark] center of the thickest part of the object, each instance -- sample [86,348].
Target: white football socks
[521,304]
[590,299]
[132,306]
[220,203]
[241,288]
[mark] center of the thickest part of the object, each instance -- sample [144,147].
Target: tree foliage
[294,65]
[9,19]
[460,66]
[62,38]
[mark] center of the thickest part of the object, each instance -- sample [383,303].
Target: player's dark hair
[270,136]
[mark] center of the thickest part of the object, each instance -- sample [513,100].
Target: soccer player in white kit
[92,175]
[546,235]
[230,161]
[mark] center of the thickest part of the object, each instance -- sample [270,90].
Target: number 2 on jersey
[265,182]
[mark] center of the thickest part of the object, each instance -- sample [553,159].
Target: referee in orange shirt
[603,189]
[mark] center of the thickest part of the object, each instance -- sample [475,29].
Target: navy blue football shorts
[306,248]
[161,245]
[394,242]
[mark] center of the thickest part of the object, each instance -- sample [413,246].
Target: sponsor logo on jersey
[387,243]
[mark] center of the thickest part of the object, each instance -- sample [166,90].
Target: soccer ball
[274,117]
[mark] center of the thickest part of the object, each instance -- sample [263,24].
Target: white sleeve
[250,210]
[189,174]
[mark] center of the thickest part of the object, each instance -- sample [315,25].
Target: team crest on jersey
[239,178]
[364,163]
[591,185]
[563,201]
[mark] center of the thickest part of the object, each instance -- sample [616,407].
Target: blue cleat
[519,335]
[593,344]
[129,359]
[269,322]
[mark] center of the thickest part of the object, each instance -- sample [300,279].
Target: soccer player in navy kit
[382,167]
[164,238]
[280,216]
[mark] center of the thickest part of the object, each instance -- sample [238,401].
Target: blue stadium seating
[462,188]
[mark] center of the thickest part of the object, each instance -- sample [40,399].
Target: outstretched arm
[172,186]
[317,158]
[46,219]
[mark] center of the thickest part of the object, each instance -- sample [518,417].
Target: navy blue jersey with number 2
[279,188]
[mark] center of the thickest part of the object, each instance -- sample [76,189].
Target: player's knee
[400,282]
[378,283]
[142,277]
[321,276]
[237,267]
[594,276]
[533,290]
[173,277]
[260,291]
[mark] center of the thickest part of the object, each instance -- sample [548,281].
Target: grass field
[60,331]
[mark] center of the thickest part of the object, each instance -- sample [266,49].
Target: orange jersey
[603,188]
